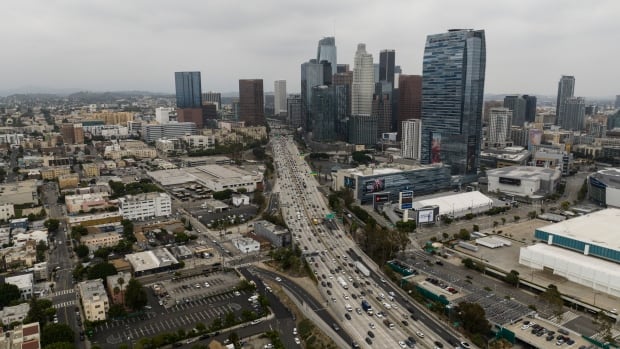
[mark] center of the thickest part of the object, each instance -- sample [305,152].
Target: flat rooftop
[529,172]
[152,259]
[596,228]
[571,257]
[204,175]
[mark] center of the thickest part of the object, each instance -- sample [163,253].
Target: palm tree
[120,282]
[116,290]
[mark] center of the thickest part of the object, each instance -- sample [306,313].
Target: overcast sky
[139,44]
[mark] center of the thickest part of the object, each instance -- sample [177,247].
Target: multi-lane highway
[331,255]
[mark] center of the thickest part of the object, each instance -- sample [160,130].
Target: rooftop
[386,169]
[21,281]
[456,202]
[596,228]
[152,259]
[530,172]
[608,176]
[90,289]
[571,257]
[204,175]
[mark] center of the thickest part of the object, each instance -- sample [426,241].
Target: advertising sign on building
[406,200]
[375,185]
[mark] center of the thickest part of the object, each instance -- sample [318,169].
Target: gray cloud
[138,44]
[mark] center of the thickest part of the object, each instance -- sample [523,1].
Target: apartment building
[94,299]
[96,241]
[145,206]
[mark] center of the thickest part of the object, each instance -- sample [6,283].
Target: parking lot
[177,291]
[543,334]
[208,218]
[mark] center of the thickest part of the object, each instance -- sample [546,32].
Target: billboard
[375,185]
[406,200]
[425,216]
[381,198]
[534,138]
[435,148]
[349,182]
[389,136]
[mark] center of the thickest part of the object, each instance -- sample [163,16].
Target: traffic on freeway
[369,309]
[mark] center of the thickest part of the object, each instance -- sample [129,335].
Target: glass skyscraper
[327,51]
[452,96]
[566,89]
[188,89]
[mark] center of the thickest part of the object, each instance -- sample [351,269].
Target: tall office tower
[617,105]
[162,114]
[324,114]
[363,82]
[573,114]
[293,111]
[313,74]
[342,68]
[342,83]
[412,137]
[375,67]
[518,105]
[566,89]
[409,99]
[452,91]
[382,109]
[251,102]
[188,89]
[213,97]
[530,108]
[613,121]
[269,104]
[327,52]
[386,65]
[363,130]
[499,127]
[279,95]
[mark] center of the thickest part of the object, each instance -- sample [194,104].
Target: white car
[419,334]
[295,331]
[372,325]
[387,305]
[297,341]
[402,344]
[278,279]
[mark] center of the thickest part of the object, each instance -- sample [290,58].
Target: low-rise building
[524,181]
[40,271]
[181,252]
[246,245]
[278,236]
[94,219]
[18,193]
[97,241]
[116,287]
[152,261]
[69,180]
[26,336]
[5,236]
[54,172]
[240,199]
[199,142]
[553,158]
[18,223]
[6,211]
[21,238]
[91,170]
[213,177]
[169,146]
[16,313]
[19,257]
[86,202]
[24,282]
[94,299]
[145,205]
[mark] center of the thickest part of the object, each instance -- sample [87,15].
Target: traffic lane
[315,306]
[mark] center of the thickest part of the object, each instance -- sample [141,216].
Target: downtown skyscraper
[251,102]
[452,95]
[279,95]
[326,51]
[363,82]
[387,60]
[188,89]
[566,90]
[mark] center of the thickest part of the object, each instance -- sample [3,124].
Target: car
[409,343]
[411,339]
[297,340]
[371,334]
[372,325]
[369,341]
[419,334]
[358,311]
[383,280]
[346,315]
[405,322]
[438,344]
[465,345]
[278,279]
[402,344]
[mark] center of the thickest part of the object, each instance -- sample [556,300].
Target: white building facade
[145,206]
[500,121]
[162,114]
[363,82]
[411,138]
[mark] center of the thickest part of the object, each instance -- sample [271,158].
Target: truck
[366,306]
[342,282]
[362,268]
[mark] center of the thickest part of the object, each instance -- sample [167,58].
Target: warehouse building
[604,187]
[585,250]
[457,205]
[523,181]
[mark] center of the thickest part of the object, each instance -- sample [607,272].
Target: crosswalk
[64,304]
[62,292]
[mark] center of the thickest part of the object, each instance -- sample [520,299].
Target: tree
[60,345]
[52,224]
[464,234]
[121,282]
[82,251]
[8,294]
[516,218]
[475,227]
[135,296]
[101,271]
[55,333]
[503,220]
[37,312]
[565,205]
[229,319]
[473,318]
[512,278]
[117,311]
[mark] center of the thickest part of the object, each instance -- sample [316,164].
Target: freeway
[327,247]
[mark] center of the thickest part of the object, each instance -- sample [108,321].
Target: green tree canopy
[82,251]
[60,345]
[473,318]
[52,224]
[101,271]
[56,333]
[135,296]
[8,294]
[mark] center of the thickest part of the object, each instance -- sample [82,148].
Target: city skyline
[114,46]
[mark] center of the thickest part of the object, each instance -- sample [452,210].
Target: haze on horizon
[139,44]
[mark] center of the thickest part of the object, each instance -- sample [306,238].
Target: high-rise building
[452,94]
[188,89]
[279,96]
[499,127]
[72,133]
[293,107]
[409,99]
[363,82]
[617,105]
[251,102]
[530,108]
[382,109]
[313,74]
[387,59]
[324,114]
[213,97]
[342,68]
[566,89]
[327,51]
[411,139]
[573,114]
[193,115]
[518,105]
[363,130]
[613,121]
